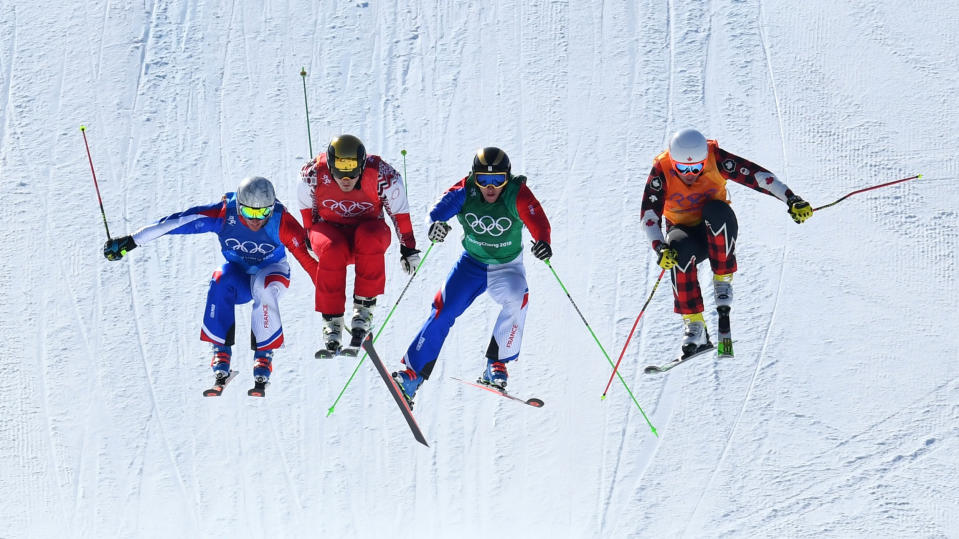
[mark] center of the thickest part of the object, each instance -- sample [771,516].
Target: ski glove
[799,209]
[542,250]
[115,248]
[438,231]
[409,259]
[667,257]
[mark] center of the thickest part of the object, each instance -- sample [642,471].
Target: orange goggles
[495,180]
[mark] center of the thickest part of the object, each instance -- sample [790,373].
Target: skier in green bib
[492,206]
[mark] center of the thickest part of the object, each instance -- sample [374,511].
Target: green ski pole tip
[403,152]
[918,176]
[329,412]
[302,71]
[83,128]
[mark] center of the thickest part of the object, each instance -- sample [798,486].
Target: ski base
[724,347]
[218,386]
[258,390]
[394,390]
[703,350]
[534,402]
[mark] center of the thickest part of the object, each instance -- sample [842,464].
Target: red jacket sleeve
[293,237]
[532,214]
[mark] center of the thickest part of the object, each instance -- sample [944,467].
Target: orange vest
[684,203]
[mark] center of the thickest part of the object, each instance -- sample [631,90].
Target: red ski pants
[337,246]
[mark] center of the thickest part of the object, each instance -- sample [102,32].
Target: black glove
[667,256]
[542,250]
[115,248]
[799,209]
[438,231]
[409,259]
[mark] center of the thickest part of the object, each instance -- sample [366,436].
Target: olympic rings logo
[347,208]
[250,247]
[488,225]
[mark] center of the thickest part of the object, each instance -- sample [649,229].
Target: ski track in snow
[184,98]
[779,287]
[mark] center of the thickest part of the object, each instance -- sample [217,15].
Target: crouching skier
[686,188]
[253,228]
[492,205]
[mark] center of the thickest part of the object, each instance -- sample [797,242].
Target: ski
[356,342]
[218,386]
[705,349]
[326,353]
[258,390]
[397,393]
[534,402]
[724,347]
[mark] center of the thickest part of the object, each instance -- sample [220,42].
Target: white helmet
[688,146]
[255,192]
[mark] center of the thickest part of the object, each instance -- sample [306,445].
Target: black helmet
[491,159]
[346,157]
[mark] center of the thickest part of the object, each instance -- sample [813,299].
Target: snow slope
[838,417]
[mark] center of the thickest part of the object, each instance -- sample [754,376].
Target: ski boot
[408,382]
[332,333]
[695,335]
[262,367]
[495,374]
[723,288]
[221,370]
[360,325]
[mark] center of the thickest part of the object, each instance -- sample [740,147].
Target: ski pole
[636,323]
[83,129]
[917,176]
[595,338]
[377,336]
[307,105]
[405,186]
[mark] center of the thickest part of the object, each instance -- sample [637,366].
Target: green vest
[493,233]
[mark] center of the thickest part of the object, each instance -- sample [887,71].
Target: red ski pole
[636,323]
[83,130]
[917,176]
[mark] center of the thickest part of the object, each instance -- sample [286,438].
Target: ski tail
[394,390]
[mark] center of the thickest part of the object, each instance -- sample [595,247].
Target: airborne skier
[687,187]
[492,205]
[253,228]
[342,197]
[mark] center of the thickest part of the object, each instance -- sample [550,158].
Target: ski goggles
[257,214]
[495,180]
[346,168]
[689,168]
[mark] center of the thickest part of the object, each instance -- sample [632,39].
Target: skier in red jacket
[342,197]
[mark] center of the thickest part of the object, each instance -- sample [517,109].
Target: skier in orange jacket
[687,187]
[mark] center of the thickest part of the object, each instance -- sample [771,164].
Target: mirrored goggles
[346,168]
[490,179]
[257,214]
[690,168]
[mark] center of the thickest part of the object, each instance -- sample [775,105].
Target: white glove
[438,231]
[409,259]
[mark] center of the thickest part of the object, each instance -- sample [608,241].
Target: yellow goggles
[256,214]
[495,180]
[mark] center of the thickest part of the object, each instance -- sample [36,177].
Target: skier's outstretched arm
[196,220]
